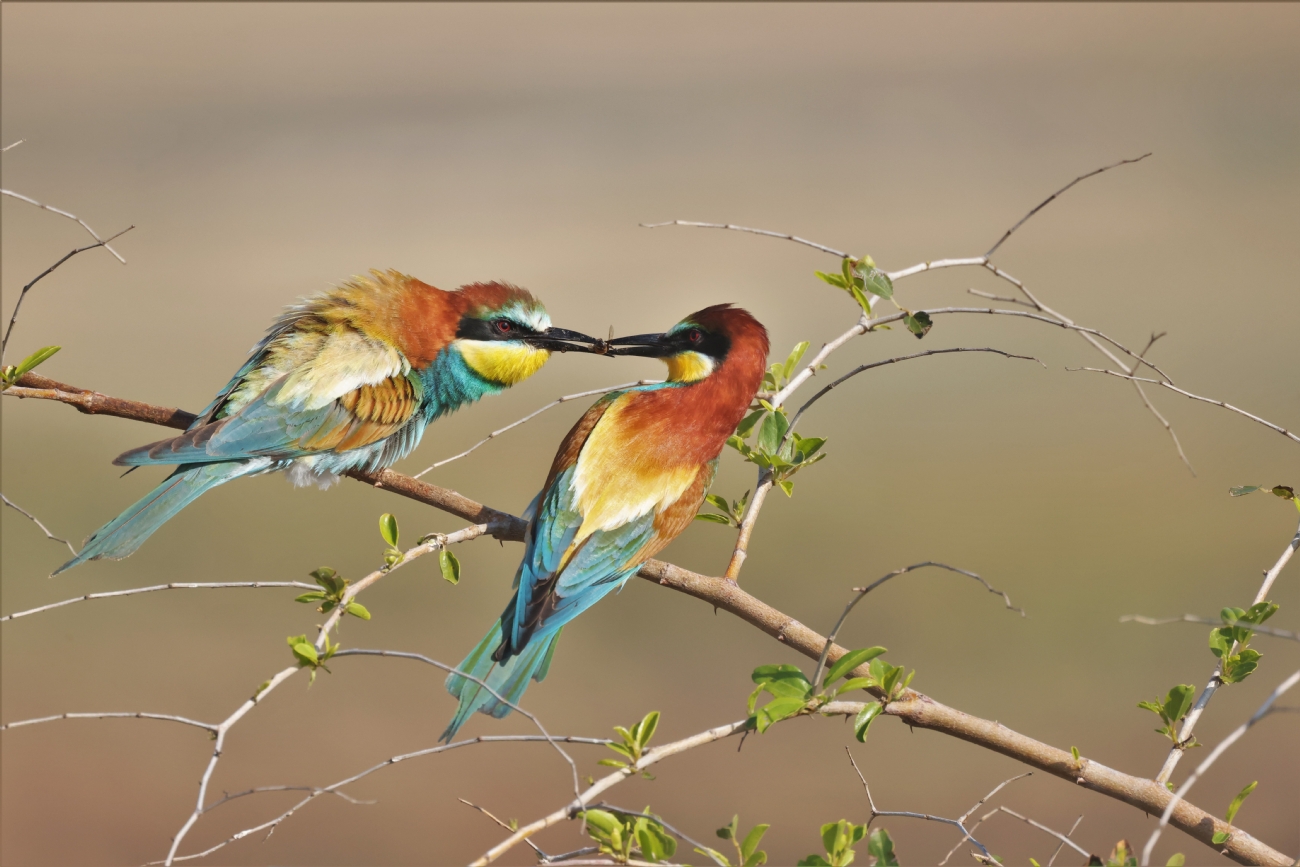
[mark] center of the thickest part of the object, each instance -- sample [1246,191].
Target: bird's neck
[450,383]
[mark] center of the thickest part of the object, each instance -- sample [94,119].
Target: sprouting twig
[601,805]
[334,787]
[860,592]
[1204,766]
[1194,715]
[37,521]
[1208,621]
[1052,197]
[92,232]
[134,591]
[541,856]
[1268,424]
[532,415]
[4,345]
[959,824]
[782,235]
[111,715]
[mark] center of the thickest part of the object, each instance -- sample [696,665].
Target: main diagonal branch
[915,709]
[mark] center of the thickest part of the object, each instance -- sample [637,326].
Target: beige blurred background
[264,152]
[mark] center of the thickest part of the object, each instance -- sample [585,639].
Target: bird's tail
[507,679]
[121,536]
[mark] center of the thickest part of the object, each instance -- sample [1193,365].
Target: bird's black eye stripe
[496,328]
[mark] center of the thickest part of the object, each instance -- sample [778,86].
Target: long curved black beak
[647,345]
[564,340]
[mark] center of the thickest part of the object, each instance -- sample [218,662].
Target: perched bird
[348,379]
[628,479]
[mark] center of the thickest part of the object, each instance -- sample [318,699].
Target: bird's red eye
[503,326]
[694,335]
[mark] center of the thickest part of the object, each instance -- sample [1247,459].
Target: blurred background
[265,152]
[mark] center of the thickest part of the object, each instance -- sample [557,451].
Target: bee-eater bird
[628,479]
[348,379]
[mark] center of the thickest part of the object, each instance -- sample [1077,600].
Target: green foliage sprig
[1286,492]
[747,852]
[792,693]
[1175,706]
[1221,837]
[388,530]
[622,835]
[732,512]
[858,277]
[11,373]
[633,744]
[331,593]
[307,655]
[1236,633]
[838,839]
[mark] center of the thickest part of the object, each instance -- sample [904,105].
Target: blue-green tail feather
[121,536]
[508,679]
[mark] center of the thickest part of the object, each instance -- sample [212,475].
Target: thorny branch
[532,415]
[93,234]
[1064,838]
[860,592]
[37,521]
[4,345]
[111,715]
[1208,621]
[1204,766]
[1193,715]
[914,708]
[135,591]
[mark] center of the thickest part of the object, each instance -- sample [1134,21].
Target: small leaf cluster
[1175,706]
[858,277]
[732,512]
[838,839]
[307,655]
[1236,630]
[792,692]
[11,373]
[447,562]
[747,852]
[331,594]
[388,529]
[620,836]
[1221,837]
[1286,492]
[634,743]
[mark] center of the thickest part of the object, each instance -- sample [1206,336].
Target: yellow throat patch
[506,363]
[688,366]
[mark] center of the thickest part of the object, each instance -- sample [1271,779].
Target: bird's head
[702,343]
[505,335]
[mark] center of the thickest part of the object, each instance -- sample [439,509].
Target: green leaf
[329,580]
[850,661]
[749,848]
[1243,490]
[645,730]
[881,847]
[864,718]
[1238,668]
[449,565]
[786,486]
[859,296]
[728,832]
[358,610]
[877,282]
[306,652]
[30,362]
[835,280]
[1074,751]
[918,323]
[746,425]
[612,763]
[310,597]
[793,358]
[388,528]
[783,681]
[717,519]
[1176,860]
[812,861]
[771,432]
[855,683]
[1178,702]
[1237,801]
[776,710]
[1220,837]
[809,446]
[1258,613]
[717,502]
[1286,492]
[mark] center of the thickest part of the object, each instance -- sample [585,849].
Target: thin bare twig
[1208,621]
[316,792]
[1064,838]
[92,232]
[532,415]
[959,824]
[1204,766]
[4,345]
[860,592]
[1194,715]
[782,235]
[541,856]
[134,591]
[1052,198]
[111,715]
[37,521]
[1061,845]
[12,146]
[1268,424]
